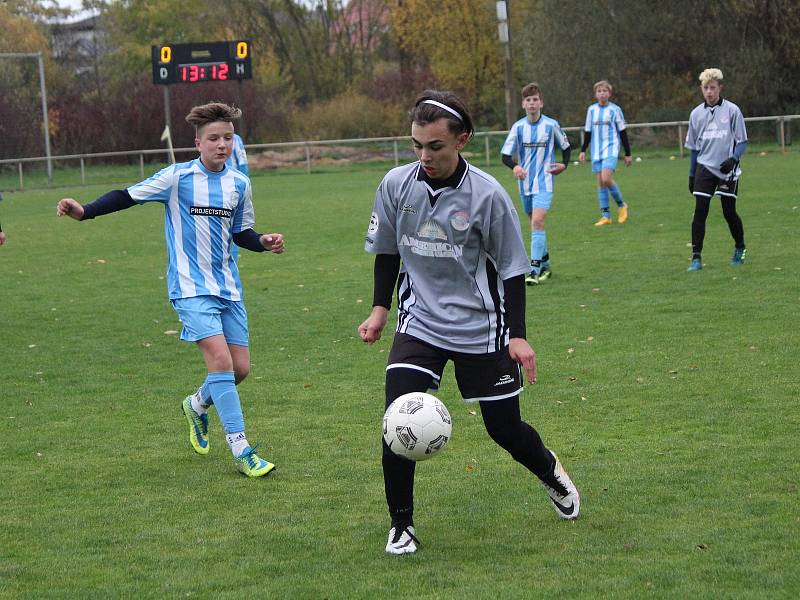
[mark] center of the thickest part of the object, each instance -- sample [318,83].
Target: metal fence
[309,155]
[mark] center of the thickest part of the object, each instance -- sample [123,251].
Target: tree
[458,40]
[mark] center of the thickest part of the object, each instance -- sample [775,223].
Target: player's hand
[556,168]
[628,160]
[582,157]
[728,165]
[2,238]
[69,207]
[273,242]
[519,172]
[521,351]
[691,184]
[371,329]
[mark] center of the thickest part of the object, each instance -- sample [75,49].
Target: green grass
[671,399]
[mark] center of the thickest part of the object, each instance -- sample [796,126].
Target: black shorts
[494,376]
[706,184]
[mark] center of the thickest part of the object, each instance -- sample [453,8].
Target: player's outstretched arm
[370,330]
[69,207]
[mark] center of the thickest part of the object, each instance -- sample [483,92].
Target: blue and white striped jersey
[203,210]
[604,123]
[535,144]
[238,158]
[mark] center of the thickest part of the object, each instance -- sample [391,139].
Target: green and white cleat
[198,427]
[250,464]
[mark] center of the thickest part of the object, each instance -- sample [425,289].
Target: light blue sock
[223,391]
[602,197]
[205,393]
[617,195]
[538,244]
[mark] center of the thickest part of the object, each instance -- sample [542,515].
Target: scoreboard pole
[167,108]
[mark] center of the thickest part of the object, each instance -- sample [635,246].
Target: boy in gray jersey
[717,139]
[461,297]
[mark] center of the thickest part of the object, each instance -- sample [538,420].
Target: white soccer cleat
[402,541]
[563,493]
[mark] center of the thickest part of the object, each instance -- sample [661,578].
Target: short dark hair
[212,112]
[532,89]
[425,112]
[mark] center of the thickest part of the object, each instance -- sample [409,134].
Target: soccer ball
[416,426]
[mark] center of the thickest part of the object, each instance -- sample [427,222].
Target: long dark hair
[425,112]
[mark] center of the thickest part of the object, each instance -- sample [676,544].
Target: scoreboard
[201,61]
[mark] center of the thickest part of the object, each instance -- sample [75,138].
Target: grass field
[671,399]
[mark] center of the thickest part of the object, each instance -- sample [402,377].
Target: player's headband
[445,107]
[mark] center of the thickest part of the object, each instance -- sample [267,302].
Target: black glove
[728,165]
[691,184]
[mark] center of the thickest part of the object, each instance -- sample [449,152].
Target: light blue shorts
[606,163]
[204,316]
[537,200]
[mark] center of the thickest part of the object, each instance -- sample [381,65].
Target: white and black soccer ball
[416,426]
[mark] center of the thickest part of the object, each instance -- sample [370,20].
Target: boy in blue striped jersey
[238,160]
[207,207]
[604,130]
[533,138]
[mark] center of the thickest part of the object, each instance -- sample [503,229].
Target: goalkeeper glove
[728,165]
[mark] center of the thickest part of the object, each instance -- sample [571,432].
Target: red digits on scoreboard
[223,71]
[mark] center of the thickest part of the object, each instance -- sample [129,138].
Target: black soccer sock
[734,221]
[505,426]
[699,223]
[398,472]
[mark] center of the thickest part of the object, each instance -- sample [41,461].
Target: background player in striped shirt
[717,139]
[533,139]
[238,160]
[604,130]
[207,206]
[461,297]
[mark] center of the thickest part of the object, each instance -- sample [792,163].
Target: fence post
[396,155]
[141,165]
[308,158]
[21,185]
[783,134]
[486,145]
[680,139]
[83,173]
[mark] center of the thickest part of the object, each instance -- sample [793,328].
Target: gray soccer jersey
[714,132]
[457,245]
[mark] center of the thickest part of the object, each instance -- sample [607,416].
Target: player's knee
[538,223]
[240,372]
[503,435]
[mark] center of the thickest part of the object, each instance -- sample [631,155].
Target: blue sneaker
[695,266]
[198,427]
[251,464]
[739,255]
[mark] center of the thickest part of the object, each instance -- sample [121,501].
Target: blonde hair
[603,83]
[710,75]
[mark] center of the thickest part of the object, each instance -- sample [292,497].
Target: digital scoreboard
[201,61]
